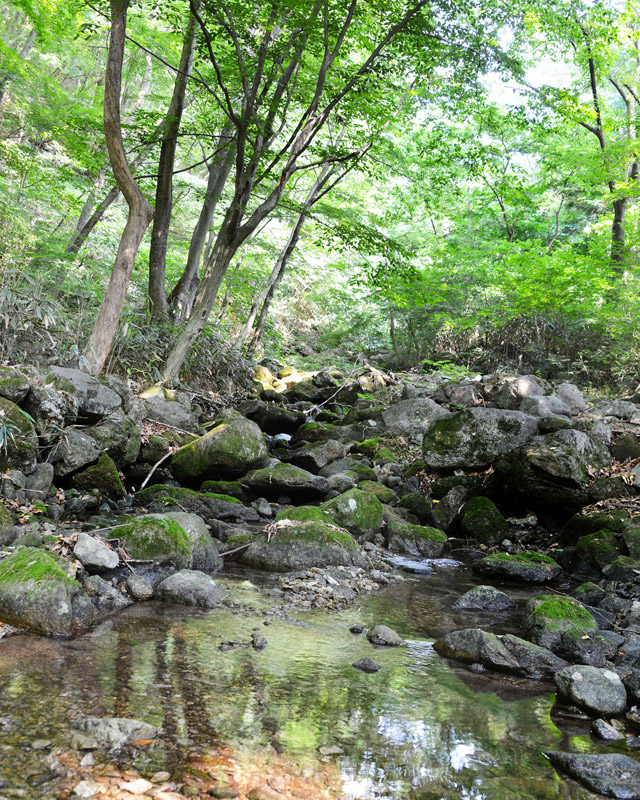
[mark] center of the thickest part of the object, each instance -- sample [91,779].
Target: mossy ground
[31,564]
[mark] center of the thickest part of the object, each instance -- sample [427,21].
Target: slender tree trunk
[183,294]
[164,186]
[618,233]
[87,208]
[140,212]
[264,311]
[392,331]
[6,79]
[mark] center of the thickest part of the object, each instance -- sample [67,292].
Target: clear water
[419,729]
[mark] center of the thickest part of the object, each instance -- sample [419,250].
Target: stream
[419,729]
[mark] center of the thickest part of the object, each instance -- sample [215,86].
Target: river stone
[75,451]
[204,553]
[105,596]
[501,653]
[597,691]
[38,594]
[94,555]
[157,538]
[14,385]
[484,598]
[227,451]
[411,418]
[118,438]
[286,479]
[547,617]
[95,400]
[474,438]
[480,520]
[357,511]
[316,456]
[301,545]
[138,588]
[531,567]
[161,405]
[417,540]
[610,774]
[191,588]
[116,732]
[367,665]
[208,505]
[21,448]
[383,636]
[592,650]
[103,477]
[553,471]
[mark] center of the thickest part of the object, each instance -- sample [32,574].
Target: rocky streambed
[399,587]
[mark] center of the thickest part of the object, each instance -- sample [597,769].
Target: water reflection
[416,730]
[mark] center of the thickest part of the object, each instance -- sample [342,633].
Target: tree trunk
[26,49]
[140,212]
[184,292]
[164,186]
[264,311]
[392,332]
[617,233]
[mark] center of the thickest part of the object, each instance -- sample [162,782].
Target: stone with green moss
[358,512]
[313,432]
[531,567]
[624,569]
[592,552]
[369,447]
[547,617]
[233,489]
[482,521]
[417,540]
[119,438]
[631,537]
[6,518]
[286,479]
[208,505]
[382,492]
[385,456]
[204,552]
[102,476]
[156,538]
[589,594]
[39,594]
[226,452]
[14,385]
[20,450]
[304,514]
[584,524]
[302,545]
[417,504]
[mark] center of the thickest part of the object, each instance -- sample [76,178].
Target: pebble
[87,788]
[367,665]
[139,786]
[224,793]
[88,761]
[160,777]
[331,750]
[356,629]
[40,744]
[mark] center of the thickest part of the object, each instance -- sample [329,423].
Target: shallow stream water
[419,729]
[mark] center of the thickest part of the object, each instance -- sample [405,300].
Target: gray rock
[572,396]
[597,691]
[445,513]
[191,588]
[95,400]
[162,405]
[367,665]
[14,385]
[314,457]
[510,392]
[341,482]
[474,438]
[295,482]
[411,418]
[39,482]
[118,438]
[204,552]
[417,540]
[605,730]
[75,451]
[484,598]
[530,567]
[116,732]
[139,588]
[622,409]
[545,406]
[383,636]
[104,596]
[263,507]
[94,555]
[610,774]
[548,617]
[211,507]
[51,411]
[20,451]
[632,685]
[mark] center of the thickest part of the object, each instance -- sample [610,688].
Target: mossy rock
[631,537]
[482,521]
[625,447]
[382,492]
[414,468]
[207,505]
[286,479]
[314,432]
[531,567]
[102,476]
[417,540]
[21,450]
[161,490]
[225,452]
[231,489]
[592,552]
[384,456]
[624,569]
[589,594]
[304,514]
[119,438]
[6,518]
[14,385]
[547,617]
[369,446]
[302,545]
[417,504]
[584,524]
[157,538]
[38,593]
[362,471]
[474,484]
[357,511]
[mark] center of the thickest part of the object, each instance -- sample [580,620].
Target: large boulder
[501,653]
[592,553]
[509,392]
[286,479]
[119,438]
[417,540]
[208,505]
[162,405]
[572,396]
[75,451]
[204,552]
[190,588]
[273,418]
[95,400]
[227,451]
[548,617]
[480,520]
[531,567]
[545,406]
[610,774]
[411,418]
[20,448]
[357,511]
[51,411]
[474,438]
[317,455]
[159,539]
[37,592]
[553,471]
[14,385]
[301,545]
[598,691]
[484,598]
[102,476]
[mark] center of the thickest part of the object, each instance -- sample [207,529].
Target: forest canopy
[186,183]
